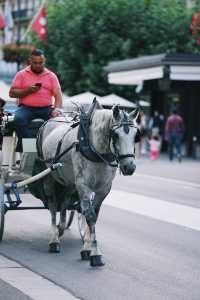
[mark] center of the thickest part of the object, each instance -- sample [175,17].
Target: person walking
[141,146]
[35,87]
[174,129]
[154,144]
[156,124]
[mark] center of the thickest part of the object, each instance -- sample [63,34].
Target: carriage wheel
[82,225]
[2,209]
[70,217]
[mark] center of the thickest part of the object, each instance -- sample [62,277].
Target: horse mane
[102,119]
[101,124]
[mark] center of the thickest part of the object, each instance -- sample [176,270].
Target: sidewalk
[187,170]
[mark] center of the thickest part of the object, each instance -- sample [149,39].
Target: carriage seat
[33,127]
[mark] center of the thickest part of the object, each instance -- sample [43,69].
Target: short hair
[37,52]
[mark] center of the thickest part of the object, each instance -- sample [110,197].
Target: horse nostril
[125,169]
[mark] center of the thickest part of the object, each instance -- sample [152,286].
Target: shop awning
[187,73]
[134,71]
[135,77]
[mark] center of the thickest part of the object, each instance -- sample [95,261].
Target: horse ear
[116,112]
[134,114]
[97,104]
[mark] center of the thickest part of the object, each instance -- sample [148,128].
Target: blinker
[125,124]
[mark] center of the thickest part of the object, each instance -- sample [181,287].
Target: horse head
[124,135]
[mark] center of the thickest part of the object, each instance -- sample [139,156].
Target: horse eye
[115,136]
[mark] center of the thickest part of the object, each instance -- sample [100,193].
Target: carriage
[16,172]
[72,170]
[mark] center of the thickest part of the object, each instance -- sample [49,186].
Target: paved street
[148,230]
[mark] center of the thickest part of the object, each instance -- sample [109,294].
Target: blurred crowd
[156,130]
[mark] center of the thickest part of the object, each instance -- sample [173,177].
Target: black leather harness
[83,143]
[85,147]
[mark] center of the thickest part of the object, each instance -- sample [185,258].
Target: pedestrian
[141,124]
[174,129]
[38,92]
[154,143]
[156,124]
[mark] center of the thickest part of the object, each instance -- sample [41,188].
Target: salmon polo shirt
[43,97]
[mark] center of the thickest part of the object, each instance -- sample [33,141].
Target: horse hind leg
[62,223]
[50,192]
[54,243]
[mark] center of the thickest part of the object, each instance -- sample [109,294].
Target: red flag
[2,21]
[40,25]
[195,23]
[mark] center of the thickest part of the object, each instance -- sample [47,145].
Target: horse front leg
[88,210]
[85,235]
[95,255]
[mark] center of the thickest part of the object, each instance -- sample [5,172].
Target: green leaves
[84,35]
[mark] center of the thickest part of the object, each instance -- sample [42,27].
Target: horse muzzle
[127,168]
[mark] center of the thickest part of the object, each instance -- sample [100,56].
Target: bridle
[126,126]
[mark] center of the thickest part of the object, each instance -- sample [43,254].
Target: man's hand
[20,93]
[33,89]
[56,113]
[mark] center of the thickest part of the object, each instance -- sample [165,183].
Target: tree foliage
[84,35]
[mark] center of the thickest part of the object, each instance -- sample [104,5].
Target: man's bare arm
[20,93]
[58,98]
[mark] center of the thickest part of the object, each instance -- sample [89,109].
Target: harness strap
[56,159]
[119,157]
[57,155]
[102,158]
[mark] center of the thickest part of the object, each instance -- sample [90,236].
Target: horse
[90,151]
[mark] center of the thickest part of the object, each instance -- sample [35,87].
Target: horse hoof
[96,261]
[85,254]
[54,248]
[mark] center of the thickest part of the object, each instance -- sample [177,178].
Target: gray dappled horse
[88,174]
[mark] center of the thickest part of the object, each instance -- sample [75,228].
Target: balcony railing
[23,14]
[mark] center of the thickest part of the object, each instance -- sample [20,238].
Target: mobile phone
[38,84]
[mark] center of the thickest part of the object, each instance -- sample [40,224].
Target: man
[35,86]
[174,129]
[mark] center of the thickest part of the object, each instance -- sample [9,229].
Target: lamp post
[18,29]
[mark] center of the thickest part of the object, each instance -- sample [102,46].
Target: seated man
[35,86]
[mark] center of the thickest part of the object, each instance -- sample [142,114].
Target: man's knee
[21,125]
[20,121]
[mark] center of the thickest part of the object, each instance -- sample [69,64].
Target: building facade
[22,12]
[169,80]
[18,15]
